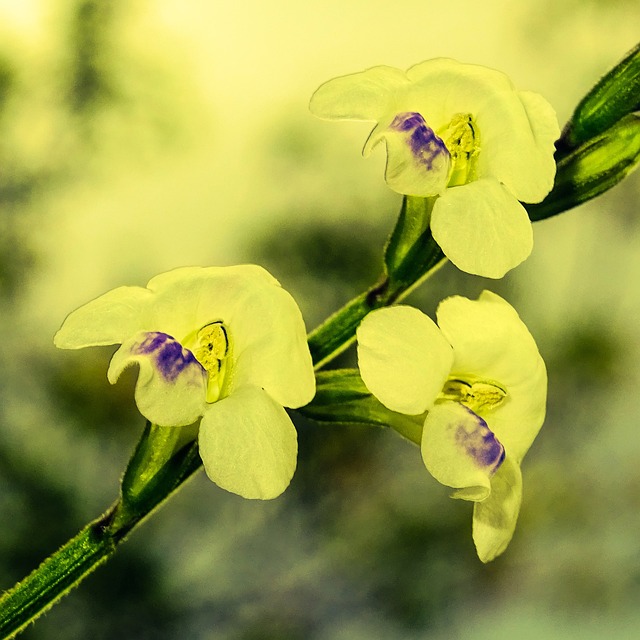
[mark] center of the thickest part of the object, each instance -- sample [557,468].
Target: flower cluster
[480,379]
[463,134]
[227,344]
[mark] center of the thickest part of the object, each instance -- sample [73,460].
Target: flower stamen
[462,139]
[480,396]
[212,353]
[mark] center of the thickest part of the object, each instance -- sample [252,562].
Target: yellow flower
[481,380]
[227,344]
[464,135]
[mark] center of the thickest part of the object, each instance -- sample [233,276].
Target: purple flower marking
[480,443]
[170,356]
[425,145]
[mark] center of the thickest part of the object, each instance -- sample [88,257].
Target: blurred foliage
[364,544]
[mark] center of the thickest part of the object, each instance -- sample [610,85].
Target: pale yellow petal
[109,319]
[491,342]
[482,228]
[404,359]
[248,444]
[367,95]
[171,386]
[494,519]
[460,451]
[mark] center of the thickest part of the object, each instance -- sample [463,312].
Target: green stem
[165,457]
[68,566]
[55,577]
[333,336]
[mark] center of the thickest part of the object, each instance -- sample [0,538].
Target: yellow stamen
[462,138]
[212,353]
[480,395]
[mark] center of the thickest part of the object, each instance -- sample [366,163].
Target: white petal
[367,95]
[171,386]
[418,161]
[494,519]
[266,328]
[460,451]
[490,341]
[482,228]
[442,88]
[518,149]
[248,444]
[109,319]
[403,357]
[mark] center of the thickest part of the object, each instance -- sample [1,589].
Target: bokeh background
[137,136]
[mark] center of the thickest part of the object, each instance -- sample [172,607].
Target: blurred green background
[137,136]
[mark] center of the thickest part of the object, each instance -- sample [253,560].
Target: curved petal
[494,519]
[266,328]
[271,348]
[188,298]
[442,87]
[523,160]
[171,386]
[482,228]
[109,319]
[248,444]
[517,128]
[460,451]
[404,359]
[418,161]
[366,95]
[491,342]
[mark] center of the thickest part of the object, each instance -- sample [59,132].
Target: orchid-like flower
[227,344]
[463,133]
[483,384]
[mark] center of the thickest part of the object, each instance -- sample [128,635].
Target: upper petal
[171,386]
[404,359]
[517,128]
[367,95]
[265,324]
[482,228]
[442,87]
[109,319]
[491,342]
[248,444]
[460,451]
[494,519]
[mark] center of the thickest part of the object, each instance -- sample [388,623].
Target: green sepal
[616,95]
[342,398]
[592,169]
[412,222]
[163,458]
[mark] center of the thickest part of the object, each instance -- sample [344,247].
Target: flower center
[213,350]
[481,396]
[462,139]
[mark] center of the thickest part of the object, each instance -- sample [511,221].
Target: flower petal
[404,359]
[248,444]
[367,95]
[418,161]
[442,87]
[490,340]
[265,324]
[171,386]
[482,228]
[494,519]
[109,319]
[460,451]
[522,160]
